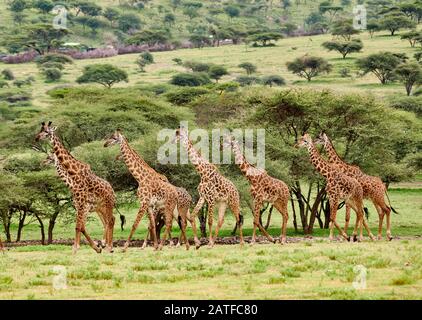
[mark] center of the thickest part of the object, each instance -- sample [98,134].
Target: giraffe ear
[43,123]
[49,123]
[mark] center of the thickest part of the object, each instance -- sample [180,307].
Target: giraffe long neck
[241,161]
[332,153]
[319,163]
[67,162]
[134,162]
[62,173]
[196,159]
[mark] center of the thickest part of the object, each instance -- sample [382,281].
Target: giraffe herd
[165,202]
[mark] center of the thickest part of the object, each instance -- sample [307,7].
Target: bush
[197,66]
[3,84]
[8,74]
[105,74]
[178,61]
[55,58]
[52,64]
[273,80]
[148,57]
[190,79]
[247,80]
[185,95]
[51,74]
[412,104]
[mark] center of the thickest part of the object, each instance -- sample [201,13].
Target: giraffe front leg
[380,220]
[210,222]
[333,222]
[195,211]
[221,211]
[168,216]
[139,216]
[281,206]
[347,220]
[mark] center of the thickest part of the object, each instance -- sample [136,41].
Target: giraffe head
[321,139]
[305,141]
[180,135]
[228,141]
[115,138]
[46,131]
[50,160]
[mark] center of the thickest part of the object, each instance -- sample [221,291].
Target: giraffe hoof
[389,237]
[355,238]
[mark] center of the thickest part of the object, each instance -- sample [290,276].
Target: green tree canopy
[309,67]
[381,64]
[105,74]
[344,47]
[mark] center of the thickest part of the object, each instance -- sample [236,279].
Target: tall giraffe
[184,201]
[214,189]
[373,187]
[339,187]
[153,190]
[52,159]
[264,188]
[89,192]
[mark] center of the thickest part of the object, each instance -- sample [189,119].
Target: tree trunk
[203,220]
[267,225]
[41,229]
[294,212]
[51,224]
[20,226]
[314,210]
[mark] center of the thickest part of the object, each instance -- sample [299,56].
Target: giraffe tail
[122,218]
[389,203]
[366,212]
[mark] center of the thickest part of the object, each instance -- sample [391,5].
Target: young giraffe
[153,191]
[89,192]
[184,201]
[339,187]
[264,188]
[214,188]
[373,187]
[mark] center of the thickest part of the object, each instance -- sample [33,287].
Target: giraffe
[52,159]
[214,189]
[89,192]
[153,190]
[264,188]
[339,187]
[184,201]
[373,187]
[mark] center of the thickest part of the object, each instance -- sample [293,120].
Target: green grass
[270,60]
[407,223]
[293,271]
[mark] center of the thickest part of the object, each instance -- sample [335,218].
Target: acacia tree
[344,29]
[381,64]
[105,74]
[309,67]
[409,74]
[412,36]
[357,124]
[344,47]
[394,22]
[248,67]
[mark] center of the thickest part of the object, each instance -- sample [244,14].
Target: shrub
[8,74]
[148,57]
[190,79]
[52,64]
[216,72]
[178,61]
[248,67]
[52,74]
[185,95]
[105,74]
[3,84]
[247,80]
[412,104]
[197,66]
[54,58]
[230,86]
[272,80]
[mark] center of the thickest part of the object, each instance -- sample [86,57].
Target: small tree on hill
[381,64]
[309,67]
[264,38]
[344,47]
[412,36]
[216,72]
[105,74]
[409,74]
[248,67]
[344,29]
[273,80]
[394,22]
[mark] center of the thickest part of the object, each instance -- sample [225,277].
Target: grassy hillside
[270,60]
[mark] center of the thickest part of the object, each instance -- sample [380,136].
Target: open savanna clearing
[309,270]
[270,60]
